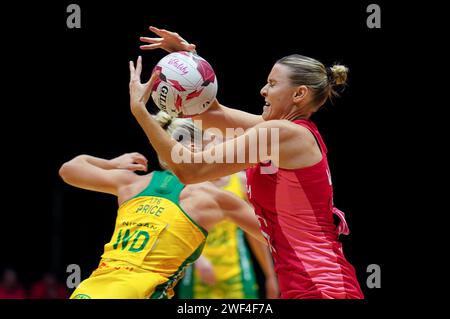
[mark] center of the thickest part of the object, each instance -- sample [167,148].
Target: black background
[67,94]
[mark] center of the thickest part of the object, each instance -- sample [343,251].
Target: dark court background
[68,94]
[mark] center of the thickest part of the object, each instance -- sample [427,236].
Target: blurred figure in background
[10,287]
[49,288]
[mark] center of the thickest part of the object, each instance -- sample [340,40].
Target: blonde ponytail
[163,119]
[183,130]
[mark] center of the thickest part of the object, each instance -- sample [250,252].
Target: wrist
[270,276]
[138,109]
[111,164]
[99,162]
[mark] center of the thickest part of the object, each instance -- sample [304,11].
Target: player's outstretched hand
[169,41]
[139,92]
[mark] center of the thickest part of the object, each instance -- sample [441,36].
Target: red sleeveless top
[295,211]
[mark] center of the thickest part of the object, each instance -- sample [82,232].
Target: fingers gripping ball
[186,86]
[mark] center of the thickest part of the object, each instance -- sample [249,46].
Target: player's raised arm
[217,116]
[101,175]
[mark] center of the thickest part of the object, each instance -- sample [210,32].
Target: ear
[301,93]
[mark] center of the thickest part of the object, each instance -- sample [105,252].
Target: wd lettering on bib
[140,240]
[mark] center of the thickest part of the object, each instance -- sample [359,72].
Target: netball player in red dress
[291,187]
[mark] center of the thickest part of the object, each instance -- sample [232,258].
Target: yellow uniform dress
[227,251]
[153,241]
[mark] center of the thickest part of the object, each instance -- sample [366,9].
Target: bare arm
[195,169]
[264,258]
[206,270]
[101,175]
[222,117]
[240,213]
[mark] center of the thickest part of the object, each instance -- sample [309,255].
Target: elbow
[64,171]
[68,170]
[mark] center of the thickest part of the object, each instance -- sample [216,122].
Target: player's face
[278,93]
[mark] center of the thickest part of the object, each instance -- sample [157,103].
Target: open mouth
[266,106]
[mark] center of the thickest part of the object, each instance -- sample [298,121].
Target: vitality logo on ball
[187,84]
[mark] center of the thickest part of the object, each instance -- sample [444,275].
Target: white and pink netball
[186,86]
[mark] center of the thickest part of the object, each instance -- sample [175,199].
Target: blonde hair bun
[163,119]
[339,74]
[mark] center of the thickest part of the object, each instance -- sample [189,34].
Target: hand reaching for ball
[169,41]
[139,92]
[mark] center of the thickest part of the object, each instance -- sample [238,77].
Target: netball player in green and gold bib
[161,224]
